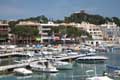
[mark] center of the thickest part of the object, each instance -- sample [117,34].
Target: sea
[80,71]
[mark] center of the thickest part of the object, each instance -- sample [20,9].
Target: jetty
[11,67]
[9,54]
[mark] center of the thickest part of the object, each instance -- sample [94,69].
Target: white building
[92,29]
[111,31]
[45,29]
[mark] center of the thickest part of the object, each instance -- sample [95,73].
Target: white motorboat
[96,77]
[90,53]
[92,59]
[71,53]
[101,48]
[63,65]
[44,66]
[99,78]
[22,71]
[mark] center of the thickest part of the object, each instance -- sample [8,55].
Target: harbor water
[77,73]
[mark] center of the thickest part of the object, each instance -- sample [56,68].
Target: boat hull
[91,61]
[64,67]
[45,70]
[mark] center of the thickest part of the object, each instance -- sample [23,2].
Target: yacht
[63,65]
[22,71]
[43,66]
[92,59]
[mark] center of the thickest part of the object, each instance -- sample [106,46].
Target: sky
[56,9]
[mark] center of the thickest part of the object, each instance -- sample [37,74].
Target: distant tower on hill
[82,11]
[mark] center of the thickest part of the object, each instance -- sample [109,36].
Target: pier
[10,67]
[9,54]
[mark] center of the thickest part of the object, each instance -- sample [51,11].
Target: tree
[12,25]
[116,20]
[70,31]
[58,21]
[41,19]
[25,32]
[82,16]
[107,19]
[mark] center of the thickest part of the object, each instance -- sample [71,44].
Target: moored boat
[92,59]
[43,66]
[22,71]
[63,65]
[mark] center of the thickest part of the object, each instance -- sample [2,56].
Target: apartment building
[44,30]
[111,31]
[92,29]
[4,29]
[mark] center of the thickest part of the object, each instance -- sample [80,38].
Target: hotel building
[93,30]
[4,29]
[44,30]
[111,31]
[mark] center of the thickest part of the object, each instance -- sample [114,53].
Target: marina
[60,69]
[59,40]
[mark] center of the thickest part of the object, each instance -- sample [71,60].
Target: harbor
[59,40]
[78,69]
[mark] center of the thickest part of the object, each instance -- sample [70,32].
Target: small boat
[113,71]
[22,71]
[63,65]
[99,78]
[90,53]
[43,66]
[101,49]
[96,77]
[71,53]
[92,59]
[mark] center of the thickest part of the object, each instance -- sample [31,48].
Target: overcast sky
[56,9]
